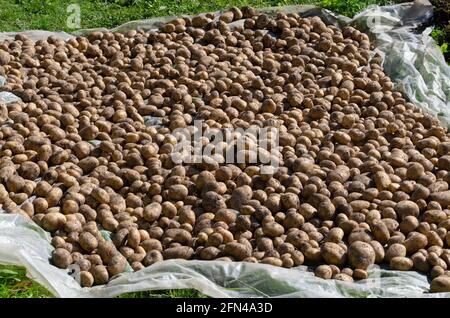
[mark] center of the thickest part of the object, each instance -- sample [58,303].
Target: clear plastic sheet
[412,60]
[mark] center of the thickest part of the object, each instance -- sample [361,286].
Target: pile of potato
[363,178]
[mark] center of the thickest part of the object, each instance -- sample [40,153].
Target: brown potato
[152,212]
[333,254]
[86,279]
[152,257]
[415,242]
[395,250]
[440,284]
[107,251]
[237,250]
[183,252]
[61,258]
[361,255]
[88,241]
[116,265]
[323,271]
[401,263]
[100,274]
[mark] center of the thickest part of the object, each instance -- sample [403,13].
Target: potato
[179,235]
[312,254]
[380,232]
[53,196]
[29,170]
[100,195]
[415,242]
[335,235]
[414,170]
[360,274]
[86,279]
[382,180]
[116,265]
[88,241]
[15,183]
[213,202]
[100,274]
[360,234]
[5,58]
[120,237]
[272,229]
[440,284]
[326,210]
[406,208]
[343,277]
[420,262]
[61,258]
[183,252]
[240,196]
[379,251]
[53,221]
[84,264]
[401,263]
[237,250]
[178,192]
[151,244]
[209,253]
[395,250]
[323,271]
[272,258]
[107,251]
[152,212]
[297,257]
[152,257]
[290,200]
[293,220]
[436,271]
[88,164]
[409,224]
[443,198]
[347,271]
[134,238]
[361,255]
[333,253]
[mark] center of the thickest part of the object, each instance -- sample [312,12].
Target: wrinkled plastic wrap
[413,61]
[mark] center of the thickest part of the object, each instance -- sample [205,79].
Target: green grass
[15,284]
[18,15]
[175,293]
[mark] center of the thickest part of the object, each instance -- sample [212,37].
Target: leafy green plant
[438,34]
[441,38]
